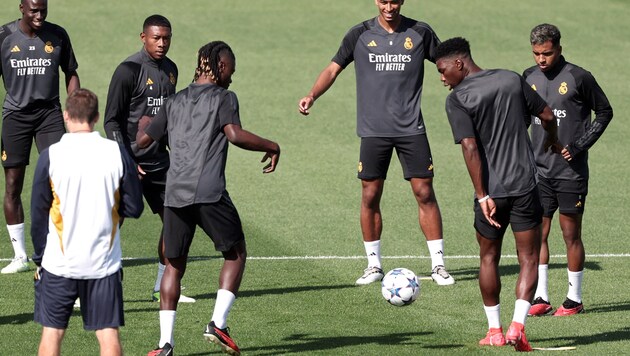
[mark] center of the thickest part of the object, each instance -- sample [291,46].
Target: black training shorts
[413,153]
[101,301]
[568,196]
[153,189]
[220,221]
[20,127]
[522,213]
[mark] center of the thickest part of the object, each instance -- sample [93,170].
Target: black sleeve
[461,123]
[594,97]
[131,204]
[68,62]
[345,54]
[229,110]
[41,201]
[535,104]
[4,32]
[430,40]
[118,101]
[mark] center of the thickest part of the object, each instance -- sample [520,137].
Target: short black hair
[208,59]
[456,46]
[82,105]
[543,33]
[156,20]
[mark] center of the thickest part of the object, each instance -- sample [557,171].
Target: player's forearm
[325,80]
[72,82]
[473,164]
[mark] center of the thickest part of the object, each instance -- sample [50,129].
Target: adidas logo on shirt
[15,49]
[372,44]
[149,81]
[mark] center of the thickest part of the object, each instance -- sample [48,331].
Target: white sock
[373,253]
[158,280]
[436,250]
[575,286]
[494,316]
[521,308]
[541,288]
[222,307]
[167,324]
[16,233]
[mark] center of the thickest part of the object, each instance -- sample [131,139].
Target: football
[400,287]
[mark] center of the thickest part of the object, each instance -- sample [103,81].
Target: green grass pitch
[301,222]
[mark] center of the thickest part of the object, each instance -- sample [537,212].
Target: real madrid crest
[360,167]
[563,88]
[534,86]
[408,44]
[48,48]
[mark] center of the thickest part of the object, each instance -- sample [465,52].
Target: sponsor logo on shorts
[430,167]
[4,155]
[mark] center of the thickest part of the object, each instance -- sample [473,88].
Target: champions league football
[400,287]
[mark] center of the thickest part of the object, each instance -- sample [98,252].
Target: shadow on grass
[16,319]
[471,274]
[307,343]
[609,336]
[277,291]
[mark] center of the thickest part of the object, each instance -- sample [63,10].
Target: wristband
[481,200]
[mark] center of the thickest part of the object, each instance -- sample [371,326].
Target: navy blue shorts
[101,301]
[20,127]
[568,196]
[220,221]
[413,153]
[521,213]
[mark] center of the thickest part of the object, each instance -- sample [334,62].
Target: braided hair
[208,59]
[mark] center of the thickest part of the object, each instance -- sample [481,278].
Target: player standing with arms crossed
[573,93]
[138,88]
[388,52]
[31,53]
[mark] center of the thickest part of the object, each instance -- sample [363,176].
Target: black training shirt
[389,74]
[572,93]
[493,106]
[139,87]
[30,66]
[194,119]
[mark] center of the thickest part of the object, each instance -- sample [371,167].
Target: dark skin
[34,14]
[234,265]
[429,216]
[453,70]
[547,56]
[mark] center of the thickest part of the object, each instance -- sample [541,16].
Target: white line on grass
[403,257]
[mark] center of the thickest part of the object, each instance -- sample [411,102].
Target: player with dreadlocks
[200,121]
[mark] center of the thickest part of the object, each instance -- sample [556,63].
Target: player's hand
[305,104]
[275,158]
[566,154]
[489,210]
[144,122]
[141,172]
